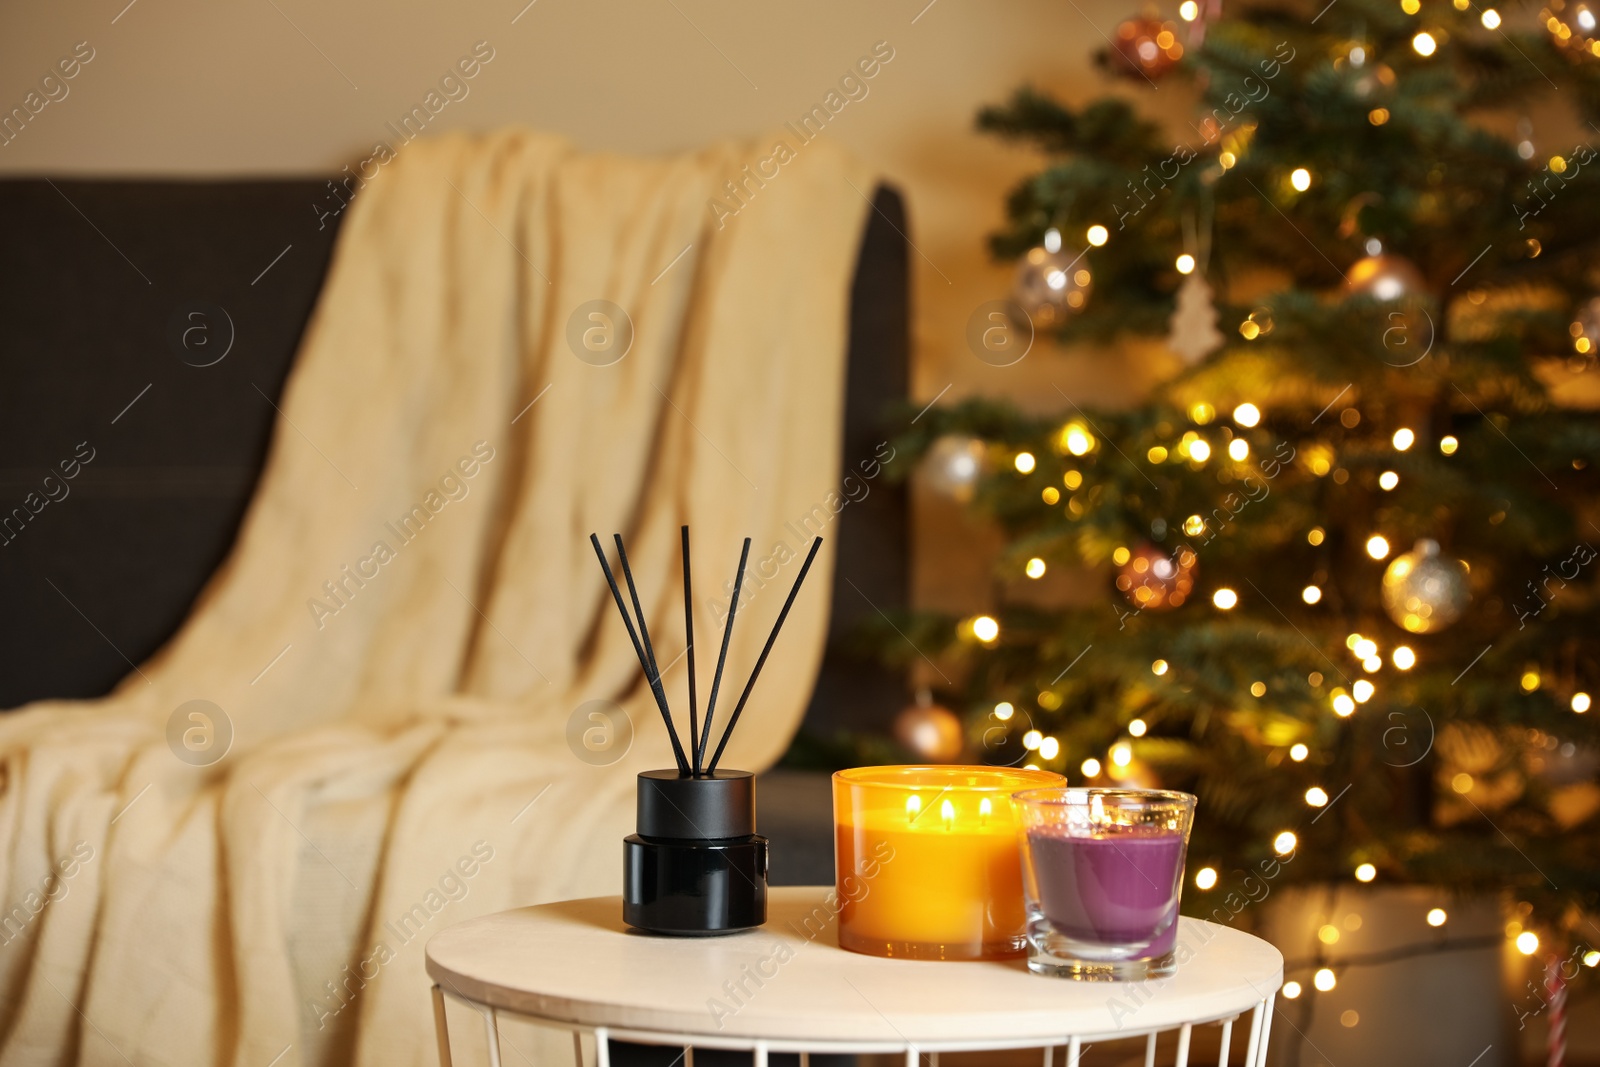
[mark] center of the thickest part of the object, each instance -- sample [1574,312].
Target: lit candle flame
[985,809]
[913,807]
[947,812]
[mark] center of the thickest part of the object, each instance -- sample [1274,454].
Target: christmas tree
[1349,550]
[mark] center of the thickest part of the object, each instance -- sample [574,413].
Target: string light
[1311,594]
[1205,878]
[1352,641]
[1328,934]
[985,629]
[1403,439]
[1258,689]
[1324,979]
[1423,44]
[1316,796]
[1137,727]
[1343,706]
[1403,658]
[1372,664]
[1225,599]
[1388,480]
[1194,526]
[1157,454]
[1291,990]
[1121,754]
[1199,451]
[1159,667]
[1049,748]
[1366,872]
[1448,445]
[1437,917]
[1098,235]
[1491,18]
[1365,648]
[1315,535]
[1411,7]
[1032,739]
[1003,710]
[1247,415]
[1580,702]
[1052,240]
[1025,462]
[1076,437]
[1072,479]
[1362,690]
[1091,767]
[1035,568]
[1378,546]
[1527,942]
[1591,958]
[1530,681]
[1202,413]
[1238,450]
[1185,264]
[1300,179]
[1120,555]
[1284,843]
[1462,783]
[1188,10]
[1051,495]
[1299,752]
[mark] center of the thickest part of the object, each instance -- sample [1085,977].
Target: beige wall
[292,86]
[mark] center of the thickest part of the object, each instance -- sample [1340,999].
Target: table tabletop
[576,962]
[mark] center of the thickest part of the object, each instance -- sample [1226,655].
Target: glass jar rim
[1061,794]
[1001,780]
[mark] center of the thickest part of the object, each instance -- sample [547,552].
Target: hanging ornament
[952,466]
[1155,581]
[1384,277]
[932,732]
[1193,332]
[1050,286]
[1145,47]
[1423,591]
[1585,330]
[1573,26]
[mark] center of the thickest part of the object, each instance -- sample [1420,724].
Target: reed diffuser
[696,866]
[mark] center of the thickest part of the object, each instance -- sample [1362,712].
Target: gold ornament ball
[1050,287]
[1152,580]
[1384,277]
[933,733]
[1424,592]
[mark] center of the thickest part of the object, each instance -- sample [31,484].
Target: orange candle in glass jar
[927,861]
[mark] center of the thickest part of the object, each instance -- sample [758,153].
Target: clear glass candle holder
[1102,871]
[927,862]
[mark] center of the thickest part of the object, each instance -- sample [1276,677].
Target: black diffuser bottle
[696,867]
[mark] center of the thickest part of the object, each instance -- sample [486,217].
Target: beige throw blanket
[412,613]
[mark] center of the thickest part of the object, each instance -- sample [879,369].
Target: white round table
[788,987]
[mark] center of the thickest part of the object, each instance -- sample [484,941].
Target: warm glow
[1098,235]
[1343,706]
[1324,979]
[913,805]
[1317,797]
[1202,413]
[1530,681]
[947,813]
[1591,958]
[1403,439]
[1137,728]
[1352,641]
[1491,18]
[1315,535]
[1199,451]
[1448,445]
[1205,878]
[1462,782]
[1050,495]
[1362,690]
[1388,480]
[1003,710]
[1378,546]
[1328,934]
[1121,755]
[1437,917]
[1366,872]
[1121,555]
[1291,990]
[1258,689]
[985,629]
[1194,526]
[1424,44]
[1311,594]
[1284,843]
[1527,942]
[1077,440]
[1247,415]
[1188,10]
[1157,454]
[1365,648]
[1185,264]
[1035,568]
[1225,598]
[1300,179]
[1403,657]
[1025,462]
[1580,702]
[1091,767]
[1049,748]
[1032,739]
[1238,450]
[1299,752]
[1159,666]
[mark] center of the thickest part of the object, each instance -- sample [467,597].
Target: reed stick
[688,631]
[722,659]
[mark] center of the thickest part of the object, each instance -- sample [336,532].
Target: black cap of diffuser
[684,808]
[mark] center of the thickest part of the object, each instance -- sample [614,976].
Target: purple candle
[1117,888]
